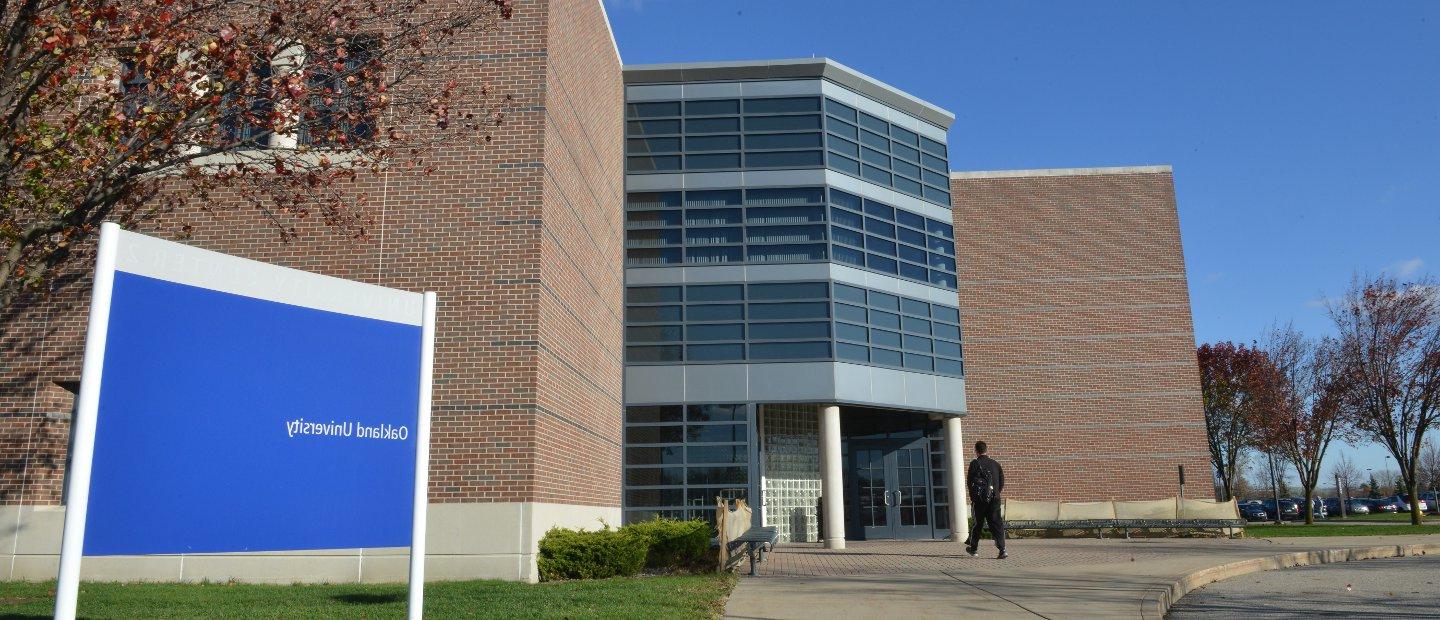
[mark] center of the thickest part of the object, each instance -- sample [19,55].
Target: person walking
[985,480]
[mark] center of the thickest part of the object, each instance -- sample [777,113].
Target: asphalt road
[1406,587]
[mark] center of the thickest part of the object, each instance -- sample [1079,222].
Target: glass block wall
[790,448]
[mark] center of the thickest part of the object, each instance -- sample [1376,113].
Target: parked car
[1288,509]
[1383,505]
[1332,507]
[1357,506]
[1253,512]
[1431,501]
[1402,503]
[1405,497]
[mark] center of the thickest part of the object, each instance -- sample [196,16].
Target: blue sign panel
[229,423]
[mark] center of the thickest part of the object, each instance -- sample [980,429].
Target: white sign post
[216,389]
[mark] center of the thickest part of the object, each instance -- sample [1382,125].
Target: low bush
[572,554]
[675,544]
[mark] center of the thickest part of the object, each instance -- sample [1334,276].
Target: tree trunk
[1309,505]
[1414,502]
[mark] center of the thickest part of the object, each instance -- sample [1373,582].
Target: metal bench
[755,541]
[1100,525]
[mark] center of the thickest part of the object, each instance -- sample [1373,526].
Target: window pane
[940,245]
[912,254]
[712,125]
[844,164]
[653,200]
[936,195]
[919,326]
[875,141]
[650,128]
[942,279]
[652,294]
[785,234]
[711,236]
[780,196]
[942,262]
[879,227]
[652,164]
[844,292]
[849,237]
[659,333]
[653,413]
[717,475]
[712,107]
[652,238]
[785,253]
[947,348]
[876,244]
[850,313]
[932,147]
[717,454]
[788,290]
[787,331]
[906,185]
[919,362]
[930,161]
[653,434]
[885,356]
[712,162]
[784,215]
[712,143]
[652,456]
[844,129]
[851,332]
[943,313]
[710,255]
[711,217]
[839,109]
[849,256]
[846,218]
[782,104]
[884,300]
[714,352]
[843,146]
[917,344]
[881,263]
[935,178]
[655,497]
[949,367]
[872,156]
[871,173]
[728,331]
[654,476]
[911,236]
[652,314]
[916,272]
[781,123]
[906,153]
[913,220]
[936,227]
[789,350]
[656,108]
[884,338]
[714,433]
[652,257]
[914,306]
[652,354]
[783,141]
[884,319]
[714,292]
[874,123]
[642,146]
[904,135]
[852,352]
[717,313]
[780,159]
[649,219]
[715,413]
[803,310]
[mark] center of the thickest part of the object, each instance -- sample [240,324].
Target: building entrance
[891,488]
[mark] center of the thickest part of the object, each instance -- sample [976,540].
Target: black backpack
[982,488]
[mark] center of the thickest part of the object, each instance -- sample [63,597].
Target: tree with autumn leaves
[1231,388]
[128,110]
[1301,411]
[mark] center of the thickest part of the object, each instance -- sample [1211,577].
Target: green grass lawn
[1324,529]
[1392,516]
[692,596]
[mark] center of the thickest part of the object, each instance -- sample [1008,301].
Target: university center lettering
[301,426]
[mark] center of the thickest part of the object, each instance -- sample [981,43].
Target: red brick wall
[1079,347]
[520,239]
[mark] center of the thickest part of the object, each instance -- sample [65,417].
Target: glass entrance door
[891,488]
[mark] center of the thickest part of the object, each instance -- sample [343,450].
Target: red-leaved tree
[1389,354]
[125,110]
[1301,413]
[1230,390]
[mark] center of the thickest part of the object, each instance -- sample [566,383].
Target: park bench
[737,538]
[1172,513]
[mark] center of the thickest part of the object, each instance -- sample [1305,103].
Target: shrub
[572,554]
[675,544]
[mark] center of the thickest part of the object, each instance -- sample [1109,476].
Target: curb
[1157,602]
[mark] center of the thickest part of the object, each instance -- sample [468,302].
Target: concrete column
[832,485]
[955,479]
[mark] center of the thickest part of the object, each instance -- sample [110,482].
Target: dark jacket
[997,474]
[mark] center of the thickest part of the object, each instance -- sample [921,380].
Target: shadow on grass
[368,598]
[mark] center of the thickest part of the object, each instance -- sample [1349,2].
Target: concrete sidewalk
[1048,578]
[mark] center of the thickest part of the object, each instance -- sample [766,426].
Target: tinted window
[885,357]
[653,434]
[932,147]
[712,125]
[712,198]
[913,254]
[839,109]
[943,313]
[936,227]
[884,319]
[652,145]
[653,199]
[656,108]
[712,107]
[875,141]
[947,348]
[650,128]
[871,173]
[652,354]
[874,123]
[849,293]
[712,143]
[652,456]
[884,300]
[714,433]
[851,332]
[787,331]
[843,146]
[884,338]
[849,256]
[844,164]
[846,218]
[879,227]
[916,325]
[914,306]
[782,104]
[785,196]
[913,220]
[790,350]
[726,331]
[843,235]
[655,497]
[917,344]
[781,123]
[648,294]
[876,244]
[911,236]
[808,310]
[725,312]
[652,164]
[949,367]
[912,271]
[714,352]
[782,141]
[788,290]
[714,292]
[663,333]
[904,152]
[904,135]
[706,217]
[716,475]
[784,158]
[717,454]
[875,261]
[653,413]
[653,314]
[853,352]
[650,476]
[712,162]
[919,362]
[713,255]
[844,129]
[850,313]
[715,413]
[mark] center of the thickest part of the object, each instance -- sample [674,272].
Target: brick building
[668,283]
[1078,338]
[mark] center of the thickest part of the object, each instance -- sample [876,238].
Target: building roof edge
[1059,172]
[791,68]
[605,15]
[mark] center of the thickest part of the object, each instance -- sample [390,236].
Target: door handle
[887,499]
[897,497]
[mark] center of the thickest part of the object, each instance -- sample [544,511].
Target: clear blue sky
[1305,135]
